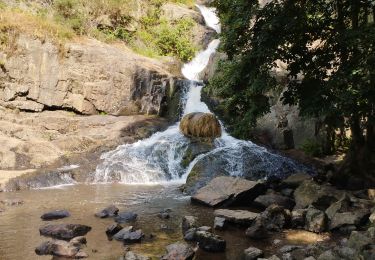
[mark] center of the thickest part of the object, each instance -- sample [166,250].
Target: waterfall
[158,159]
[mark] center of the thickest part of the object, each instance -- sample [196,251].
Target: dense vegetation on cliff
[328,49]
[141,24]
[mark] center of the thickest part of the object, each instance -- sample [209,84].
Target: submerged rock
[64,231]
[243,217]
[57,214]
[225,191]
[164,214]
[210,242]
[179,251]
[124,217]
[109,211]
[200,125]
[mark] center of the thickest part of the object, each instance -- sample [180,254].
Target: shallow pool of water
[19,225]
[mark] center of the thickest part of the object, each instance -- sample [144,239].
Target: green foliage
[111,20]
[163,38]
[312,148]
[328,48]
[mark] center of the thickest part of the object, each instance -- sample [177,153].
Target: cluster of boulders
[68,240]
[298,202]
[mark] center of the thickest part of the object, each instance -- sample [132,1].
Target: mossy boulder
[200,125]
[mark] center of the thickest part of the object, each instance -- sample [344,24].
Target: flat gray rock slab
[225,191]
[243,217]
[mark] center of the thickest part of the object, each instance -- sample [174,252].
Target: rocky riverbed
[295,218]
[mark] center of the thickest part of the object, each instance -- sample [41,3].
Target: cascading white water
[158,158]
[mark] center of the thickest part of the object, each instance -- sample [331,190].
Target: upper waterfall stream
[158,159]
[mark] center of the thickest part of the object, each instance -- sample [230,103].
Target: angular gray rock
[57,214]
[253,253]
[61,248]
[275,218]
[64,231]
[320,196]
[257,230]
[109,211]
[180,251]
[298,218]
[316,220]
[269,199]
[189,222]
[225,191]
[210,242]
[189,235]
[113,229]
[219,223]
[293,181]
[359,240]
[124,217]
[129,235]
[242,217]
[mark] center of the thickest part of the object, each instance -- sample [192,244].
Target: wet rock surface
[125,217]
[225,191]
[64,231]
[269,199]
[129,235]
[253,253]
[210,242]
[180,251]
[113,229]
[243,217]
[110,211]
[59,248]
[57,214]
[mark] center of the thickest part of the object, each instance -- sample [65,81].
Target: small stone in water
[113,229]
[124,217]
[64,231]
[109,211]
[219,223]
[57,214]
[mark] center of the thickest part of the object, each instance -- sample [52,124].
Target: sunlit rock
[200,125]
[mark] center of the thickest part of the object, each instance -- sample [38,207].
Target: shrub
[312,148]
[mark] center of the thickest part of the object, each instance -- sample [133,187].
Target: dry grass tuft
[41,27]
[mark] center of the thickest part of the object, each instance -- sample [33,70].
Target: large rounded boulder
[200,125]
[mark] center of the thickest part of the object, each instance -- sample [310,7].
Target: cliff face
[86,77]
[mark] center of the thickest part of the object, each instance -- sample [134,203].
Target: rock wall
[87,77]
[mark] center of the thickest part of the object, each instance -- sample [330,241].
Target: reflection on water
[19,225]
